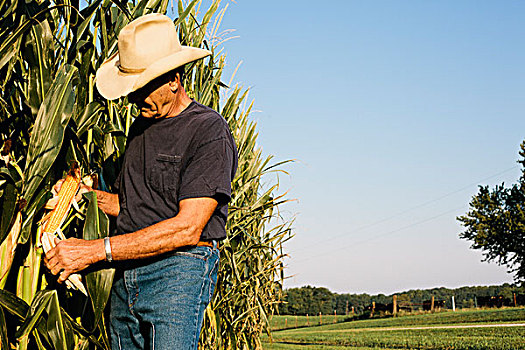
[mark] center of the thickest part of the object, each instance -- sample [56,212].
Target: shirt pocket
[165,173]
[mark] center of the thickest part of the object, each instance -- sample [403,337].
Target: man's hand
[73,255]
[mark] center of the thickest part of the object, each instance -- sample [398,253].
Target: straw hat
[147,48]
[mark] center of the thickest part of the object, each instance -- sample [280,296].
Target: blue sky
[395,111]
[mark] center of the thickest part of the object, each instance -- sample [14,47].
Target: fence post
[295,321]
[453,304]
[307,321]
[320,318]
[286,323]
[515,303]
[335,315]
[394,305]
[432,304]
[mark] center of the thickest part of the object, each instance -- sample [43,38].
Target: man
[173,191]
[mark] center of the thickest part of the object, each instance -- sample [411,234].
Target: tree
[495,223]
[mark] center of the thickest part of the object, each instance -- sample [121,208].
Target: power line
[407,210]
[384,234]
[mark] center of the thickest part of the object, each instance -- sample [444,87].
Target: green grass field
[386,333]
[290,321]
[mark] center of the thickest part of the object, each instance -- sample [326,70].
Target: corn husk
[7,249]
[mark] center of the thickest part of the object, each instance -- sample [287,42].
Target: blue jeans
[159,303]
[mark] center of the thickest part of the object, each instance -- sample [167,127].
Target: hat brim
[112,83]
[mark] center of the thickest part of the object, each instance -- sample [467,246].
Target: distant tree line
[313,300]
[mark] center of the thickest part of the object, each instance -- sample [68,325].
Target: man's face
[153,99]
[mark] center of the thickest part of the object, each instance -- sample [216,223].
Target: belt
[206,244]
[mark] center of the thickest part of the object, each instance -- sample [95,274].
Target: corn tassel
[66,195]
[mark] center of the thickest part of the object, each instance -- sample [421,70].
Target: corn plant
[51,116]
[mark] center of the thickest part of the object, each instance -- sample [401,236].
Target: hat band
[130,70]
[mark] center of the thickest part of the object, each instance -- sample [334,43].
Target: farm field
[491,329]
[279,322]
[444,317]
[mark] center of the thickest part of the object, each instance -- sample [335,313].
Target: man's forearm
[165,236]
[108,202]
[160,238]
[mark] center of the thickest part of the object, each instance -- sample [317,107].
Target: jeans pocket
[213,274]
[202,253]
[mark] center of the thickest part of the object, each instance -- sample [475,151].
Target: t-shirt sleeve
[209,171]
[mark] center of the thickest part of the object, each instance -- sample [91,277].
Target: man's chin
[148,114]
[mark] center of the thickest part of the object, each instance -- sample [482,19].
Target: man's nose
[137,97]
[133,98]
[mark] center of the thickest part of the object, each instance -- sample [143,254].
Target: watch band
[107,248]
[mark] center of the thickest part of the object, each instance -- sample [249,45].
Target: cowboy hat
[147,48]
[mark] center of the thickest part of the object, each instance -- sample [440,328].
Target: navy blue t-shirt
[167,160]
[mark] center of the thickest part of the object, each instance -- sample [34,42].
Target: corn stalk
[51,115]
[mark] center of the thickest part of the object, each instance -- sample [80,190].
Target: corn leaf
[89,117]
[8,206]
[13,304]
[45,305]
[71,324]
[48,131]
[9,46]
[184,12]
[40,49]
[45,300]
[4,342]
[99,282]
[7,249]
[37,204]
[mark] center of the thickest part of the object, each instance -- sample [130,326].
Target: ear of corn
[66,196]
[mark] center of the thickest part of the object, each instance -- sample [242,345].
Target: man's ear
[174,82]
